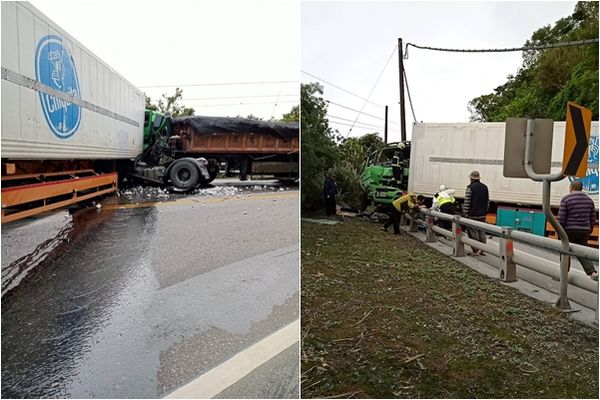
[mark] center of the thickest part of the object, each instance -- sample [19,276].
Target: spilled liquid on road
[48,320]
[144,299]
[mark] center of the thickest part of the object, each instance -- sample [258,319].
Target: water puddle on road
[96,321]
[49,319]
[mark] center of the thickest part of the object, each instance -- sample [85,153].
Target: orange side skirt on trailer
[51,195]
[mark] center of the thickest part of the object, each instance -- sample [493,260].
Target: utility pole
[401,68]
[385,127]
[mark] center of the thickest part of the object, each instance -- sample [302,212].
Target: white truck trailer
[67,117]
[446,153]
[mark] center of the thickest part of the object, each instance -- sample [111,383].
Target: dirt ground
[384,316]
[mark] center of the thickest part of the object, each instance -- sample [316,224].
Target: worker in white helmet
[446,203]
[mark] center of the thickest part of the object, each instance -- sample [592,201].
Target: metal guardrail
[509,257]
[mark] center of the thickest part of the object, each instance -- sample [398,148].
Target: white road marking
[216,380]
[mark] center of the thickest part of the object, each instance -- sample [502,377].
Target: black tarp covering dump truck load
[244,145]
[210,125]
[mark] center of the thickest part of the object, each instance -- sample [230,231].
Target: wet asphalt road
[145,299]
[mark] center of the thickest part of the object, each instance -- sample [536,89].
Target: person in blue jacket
[329,192]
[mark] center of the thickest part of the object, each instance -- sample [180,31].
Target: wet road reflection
[47,326]
[113,316]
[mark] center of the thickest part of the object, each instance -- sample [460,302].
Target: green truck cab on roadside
[386,173]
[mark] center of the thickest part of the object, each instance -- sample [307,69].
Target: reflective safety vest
[445,199]
[405,202]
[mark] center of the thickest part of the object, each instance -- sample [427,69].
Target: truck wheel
[184,175]
[213,171]
[244,169]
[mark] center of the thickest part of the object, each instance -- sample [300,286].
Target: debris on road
[141,193]
[218,191]
[153,193]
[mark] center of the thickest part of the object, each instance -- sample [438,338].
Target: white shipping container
[446,153]
[59,100]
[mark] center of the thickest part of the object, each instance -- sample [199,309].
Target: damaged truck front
[386,173]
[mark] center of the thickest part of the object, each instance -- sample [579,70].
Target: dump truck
[186,151]
[73,128]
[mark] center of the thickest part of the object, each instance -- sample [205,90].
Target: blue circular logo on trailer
[590,182]
[54,67]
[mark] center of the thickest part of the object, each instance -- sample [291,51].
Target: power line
[363,113]
[350,120]
[242,103]
[342,89]
[537,47]
[408,92]
[240,97]
[345,119]
[217,84]
[361,127]
[373,88]
[275,105]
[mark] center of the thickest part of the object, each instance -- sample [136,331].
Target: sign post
[577,136]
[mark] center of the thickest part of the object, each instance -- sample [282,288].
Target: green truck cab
[156,126]
[386,173]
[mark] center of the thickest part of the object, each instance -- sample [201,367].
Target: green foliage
[353,153]
[292,116]
[169,104]
[322,151]
[319,152]
[549,78]
[149,105]
[250,116]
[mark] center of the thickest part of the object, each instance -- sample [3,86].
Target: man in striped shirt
[577,215]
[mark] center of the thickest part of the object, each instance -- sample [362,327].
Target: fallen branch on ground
[363,318]
[349,394]
[409,359]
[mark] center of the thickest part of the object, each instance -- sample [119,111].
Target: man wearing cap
[476,207]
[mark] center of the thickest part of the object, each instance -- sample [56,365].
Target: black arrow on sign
[581,142]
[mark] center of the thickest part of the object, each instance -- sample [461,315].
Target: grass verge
[385,316]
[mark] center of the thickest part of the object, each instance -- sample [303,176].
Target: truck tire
[244,169]
[184,175]
[213,171]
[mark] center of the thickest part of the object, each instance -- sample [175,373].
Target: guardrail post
[430,234]
[596,316]
[459,246]
[403,220]
[413,223]
[563,300]
[508,269]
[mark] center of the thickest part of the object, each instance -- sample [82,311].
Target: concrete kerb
[486,265]
[322,221]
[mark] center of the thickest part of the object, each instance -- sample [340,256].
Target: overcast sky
[348,44]
[195,42]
